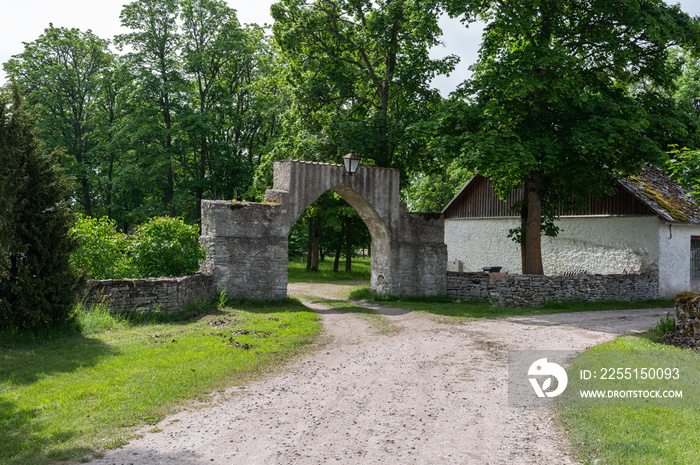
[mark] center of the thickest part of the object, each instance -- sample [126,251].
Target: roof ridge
[310,162]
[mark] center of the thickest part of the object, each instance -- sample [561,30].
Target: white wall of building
[603,245]
[674,262]
[600,245]
[482,242]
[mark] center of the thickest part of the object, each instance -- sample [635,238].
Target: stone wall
[246,246]
[526,290]
[419,255]
[166,294]
[688,313]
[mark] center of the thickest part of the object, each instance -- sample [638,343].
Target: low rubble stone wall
[165,294]
[688,313]
[527,290]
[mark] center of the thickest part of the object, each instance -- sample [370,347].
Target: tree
[8,188]
[111,143]
[157,88]
[431,191]
[550,110]
[683,163]
[689,81]
[60,75]
[361,70]
[200,111]
[38,286]
[214,48]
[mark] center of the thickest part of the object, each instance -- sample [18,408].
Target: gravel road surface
[426,392]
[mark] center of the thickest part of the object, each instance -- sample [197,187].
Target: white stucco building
[649,226]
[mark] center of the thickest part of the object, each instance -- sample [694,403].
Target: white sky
[24,21]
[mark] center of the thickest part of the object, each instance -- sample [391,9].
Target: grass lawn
[68,398]
[635,435]
[443,306]
[360,271]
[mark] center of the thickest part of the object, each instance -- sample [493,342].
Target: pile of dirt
[679,339]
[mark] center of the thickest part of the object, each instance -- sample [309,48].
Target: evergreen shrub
[38,285]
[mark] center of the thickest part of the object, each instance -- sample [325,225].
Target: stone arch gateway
[246,243]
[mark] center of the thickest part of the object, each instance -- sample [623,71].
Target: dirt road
[423,393]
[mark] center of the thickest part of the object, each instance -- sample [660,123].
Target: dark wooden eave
[649,193]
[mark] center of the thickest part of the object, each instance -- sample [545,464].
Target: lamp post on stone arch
[352,162]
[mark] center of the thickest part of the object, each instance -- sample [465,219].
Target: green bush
[102,251]
[162,247]
[166,247]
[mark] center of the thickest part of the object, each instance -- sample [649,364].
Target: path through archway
[246,242]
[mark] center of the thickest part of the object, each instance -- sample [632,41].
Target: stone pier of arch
[246,243]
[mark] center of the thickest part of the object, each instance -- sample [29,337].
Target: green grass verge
[361,271]
[445,306]
[70,397]
[633,435]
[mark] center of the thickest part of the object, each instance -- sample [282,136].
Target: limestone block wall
[600,245]
[419,254]
[166,294]
[688,313]
[526,290]
[246,246]
[246,243]
[373,192]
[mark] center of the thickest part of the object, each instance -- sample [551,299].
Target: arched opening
[381,247]
[330,216]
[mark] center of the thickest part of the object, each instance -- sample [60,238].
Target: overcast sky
[24,20]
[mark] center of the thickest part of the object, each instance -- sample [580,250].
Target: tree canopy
[567,96]
[60,75]
[361,72]
[188,111]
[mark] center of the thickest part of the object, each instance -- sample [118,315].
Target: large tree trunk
[532,253]
[336,262]
[170,177]
[316,242]
[384,98]
[309,251]
[85,200]
[348,246]
[110,184]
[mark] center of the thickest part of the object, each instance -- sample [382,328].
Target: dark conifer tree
[38,287]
